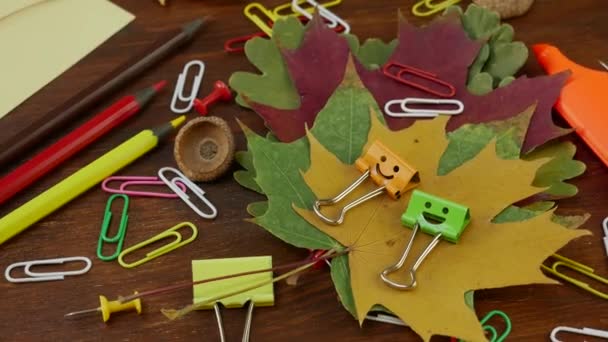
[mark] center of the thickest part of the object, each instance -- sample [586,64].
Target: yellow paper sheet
[40,39]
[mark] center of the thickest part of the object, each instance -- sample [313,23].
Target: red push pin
[220,92]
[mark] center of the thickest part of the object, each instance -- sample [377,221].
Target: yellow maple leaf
[487,256]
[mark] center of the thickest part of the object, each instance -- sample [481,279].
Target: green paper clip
[435,216]
[212,268]
[119,237]
[492,330]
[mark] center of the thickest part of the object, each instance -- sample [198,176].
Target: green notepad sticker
[212,268]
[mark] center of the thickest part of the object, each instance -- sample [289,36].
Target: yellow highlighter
[84,179]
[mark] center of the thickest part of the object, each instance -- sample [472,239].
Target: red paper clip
[229,45]
[425,75]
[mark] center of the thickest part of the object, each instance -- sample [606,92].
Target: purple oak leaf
[444,49]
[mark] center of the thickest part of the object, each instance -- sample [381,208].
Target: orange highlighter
[583,101]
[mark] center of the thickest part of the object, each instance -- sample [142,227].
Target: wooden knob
[204,148]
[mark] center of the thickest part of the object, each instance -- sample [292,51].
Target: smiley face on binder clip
[391,174]
[387,169]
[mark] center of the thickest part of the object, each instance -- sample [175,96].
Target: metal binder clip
[180,178]
[262,24]
[178,93]
[119,237]
[583,331]
[136,180]
[435,216]
[46,276]
[386,169]
[333,19]
[176,243]
[605,227]
[280,10]
[408,112]
[580,268]
[246,330]
[402,70]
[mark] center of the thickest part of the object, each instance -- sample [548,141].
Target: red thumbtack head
[220,92]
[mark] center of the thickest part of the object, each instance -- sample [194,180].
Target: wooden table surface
[34,311]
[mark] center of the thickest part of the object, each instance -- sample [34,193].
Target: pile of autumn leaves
[320,95]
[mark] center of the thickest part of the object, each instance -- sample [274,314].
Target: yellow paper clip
[211,268]
[257,20]
[386,169]
[171,232]
[285,10]
[431,8]
[107,307]
[580,268]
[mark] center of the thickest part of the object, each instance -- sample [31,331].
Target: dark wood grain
[34,312]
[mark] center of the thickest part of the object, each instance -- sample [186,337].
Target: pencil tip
[159,85]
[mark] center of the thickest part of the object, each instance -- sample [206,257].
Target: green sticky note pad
[212,268]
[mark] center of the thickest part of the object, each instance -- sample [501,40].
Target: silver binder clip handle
[331,201]
[197,191]
[46,276]
[178,92]
[412,271]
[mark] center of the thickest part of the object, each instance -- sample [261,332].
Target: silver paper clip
[408,112]
[178,93]
[180,178]
[246,330]
[333,19]
[385,318]
[46,276]
[583,331]
[605,226]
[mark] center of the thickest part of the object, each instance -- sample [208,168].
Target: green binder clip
[435,216]
[119,237]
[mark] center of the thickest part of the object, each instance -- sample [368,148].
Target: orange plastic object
[387,169]
[583,101]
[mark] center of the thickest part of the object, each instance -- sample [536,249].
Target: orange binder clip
[582,101]
[386,169]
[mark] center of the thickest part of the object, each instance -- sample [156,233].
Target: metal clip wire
[180,178]
[46,276]
[331,201]
[412,271]
[136,180]
[431,8]
[408,112]
[178,93]
[246,330]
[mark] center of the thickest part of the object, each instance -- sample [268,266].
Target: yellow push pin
[107,307]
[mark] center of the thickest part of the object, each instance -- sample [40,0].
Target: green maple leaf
[275,167]
[274,86]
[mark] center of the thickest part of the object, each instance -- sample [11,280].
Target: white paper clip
[172,184]
[385,318]
[333,19]
[408,112]
[583,331]
[178,93]
[605,226]
[46,276]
